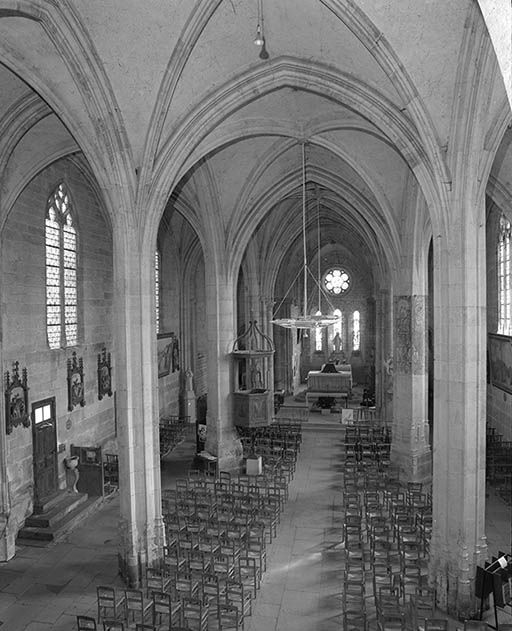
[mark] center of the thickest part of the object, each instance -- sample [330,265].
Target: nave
[44,589]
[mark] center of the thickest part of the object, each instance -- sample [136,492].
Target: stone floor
[42,589]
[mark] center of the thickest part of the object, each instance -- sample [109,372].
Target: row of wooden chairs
[385,551]
[180,602]
[499,463]
[217,531]
[172,431]
[87,623]
[110,472]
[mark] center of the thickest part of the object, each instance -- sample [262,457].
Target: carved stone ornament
[76,390]
[16,399]
[104,374]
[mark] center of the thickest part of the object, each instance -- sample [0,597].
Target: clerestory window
[504,278]
[319,335]
[356,331]
[158,260]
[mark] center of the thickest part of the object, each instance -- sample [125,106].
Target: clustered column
[410,446]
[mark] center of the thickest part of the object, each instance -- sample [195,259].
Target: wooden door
[45,449]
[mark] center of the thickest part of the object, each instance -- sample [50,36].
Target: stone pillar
[458,539]
[8,530]
[141,525]
[188,398]
[8,525]
[383,355]
[222,440]
[267,326]
[410,448]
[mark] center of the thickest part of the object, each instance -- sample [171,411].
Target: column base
[188,406]
[415,464]
[133,562]
[453,578]
[228,449]
[231,454]
[8,540]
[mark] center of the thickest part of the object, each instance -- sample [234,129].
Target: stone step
[328,426]
[45,505]
[43,535]
[54,512]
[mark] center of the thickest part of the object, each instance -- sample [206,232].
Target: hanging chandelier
[305,321]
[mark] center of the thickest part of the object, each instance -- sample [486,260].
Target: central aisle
[299,589]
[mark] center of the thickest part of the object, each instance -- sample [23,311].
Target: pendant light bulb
[258,40]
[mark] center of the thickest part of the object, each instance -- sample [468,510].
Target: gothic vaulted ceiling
[173,95]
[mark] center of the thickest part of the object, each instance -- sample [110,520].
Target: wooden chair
[111,469]
[156,581]
[420,608]
[85,623]
[353,621]
[173,561]
[136,606]
[238,595]
[392,621]
[186,586]
[228,616]
[162,607]
[249,573]
[113,625]
[109,603]
[195,613]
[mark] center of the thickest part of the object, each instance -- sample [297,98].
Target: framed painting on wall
[104,374]
[500,360]
[16,399]
[76,393]
[164,346]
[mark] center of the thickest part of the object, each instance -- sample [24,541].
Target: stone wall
[24,324]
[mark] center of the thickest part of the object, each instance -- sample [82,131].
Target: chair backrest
[475,625]
[436,624]
[133,598]
[85,623]
[161,601]
[392,620]
[113,625]
[154,580]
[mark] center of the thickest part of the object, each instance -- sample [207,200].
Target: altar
[333,381]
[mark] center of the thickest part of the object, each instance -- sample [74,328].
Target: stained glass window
[356,331]
[61,266]
[337,329]
[157,289]
[504,278]
[318,335]
[337,281]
